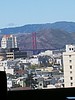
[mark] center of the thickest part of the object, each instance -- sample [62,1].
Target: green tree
[33,66]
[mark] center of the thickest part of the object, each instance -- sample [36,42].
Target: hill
[46,39]
[48,36]
[29,28]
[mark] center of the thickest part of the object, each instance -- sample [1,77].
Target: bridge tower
[34,43]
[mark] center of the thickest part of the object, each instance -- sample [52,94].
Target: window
[70,61]
[71,84]
[69,48]
[69,55]
[71,78]
[72,48]
[70,66]
[70,72]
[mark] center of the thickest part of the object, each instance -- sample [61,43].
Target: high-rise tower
[69,66]
[9,41]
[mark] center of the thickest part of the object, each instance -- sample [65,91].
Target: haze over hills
[48,36]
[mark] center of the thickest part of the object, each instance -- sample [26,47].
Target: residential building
[9,41]
[46,53]
[8,66]
[2,54]
[16,54]
[9,83]
[69,66]
[34,61]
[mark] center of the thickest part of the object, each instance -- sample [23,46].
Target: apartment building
[16,54]
[8,41]
[69,66]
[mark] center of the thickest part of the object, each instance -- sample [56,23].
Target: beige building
[47,69]
[16,54]
[69,66]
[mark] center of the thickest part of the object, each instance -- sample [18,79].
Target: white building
[34,61]
[69,66]
[8,41]
[7,70]
[9,83]
[58,61]
[46,53]
[7,66]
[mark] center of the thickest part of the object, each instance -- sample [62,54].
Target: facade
[46,53]
[9,83]
[10,55]
[2,54]
[59,61]
[15,55]
[6,66]
[34,61]
[8,41]
[69,66]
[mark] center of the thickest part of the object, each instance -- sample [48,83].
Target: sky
[21,12]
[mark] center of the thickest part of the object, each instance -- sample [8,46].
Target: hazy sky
[22,12]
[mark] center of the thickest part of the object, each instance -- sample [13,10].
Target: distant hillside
[29,28]
[48,36]
[46,39]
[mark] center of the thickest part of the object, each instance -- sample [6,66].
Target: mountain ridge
[48,36]
[46,39]
[29,28]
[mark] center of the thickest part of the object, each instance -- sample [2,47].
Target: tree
[33,66]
